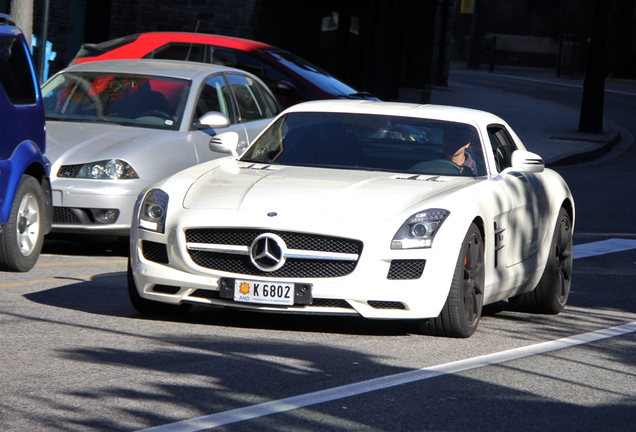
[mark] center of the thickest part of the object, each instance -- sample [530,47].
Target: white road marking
[329,395]
[301,401]
[603,247]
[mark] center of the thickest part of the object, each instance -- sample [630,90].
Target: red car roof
[228,41]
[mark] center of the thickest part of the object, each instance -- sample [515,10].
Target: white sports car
[383,210]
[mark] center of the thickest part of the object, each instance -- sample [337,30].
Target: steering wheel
[437,166]
[156,113]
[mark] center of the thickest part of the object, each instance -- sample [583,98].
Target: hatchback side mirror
[212,120]
[528,162]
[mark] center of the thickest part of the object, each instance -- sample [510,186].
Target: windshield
[129,100]
[313,73]
[371,142]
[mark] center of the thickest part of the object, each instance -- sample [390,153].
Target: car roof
[436,112]
[227,41]
[6,29]
[168,68]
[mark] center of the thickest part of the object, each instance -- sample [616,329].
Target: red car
[291,78]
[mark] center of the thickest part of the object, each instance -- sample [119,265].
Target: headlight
[153,209]
[419,230]
[113,169]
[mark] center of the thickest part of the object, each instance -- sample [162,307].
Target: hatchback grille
[406,269]
[65,216]
[68,171]
[294,267]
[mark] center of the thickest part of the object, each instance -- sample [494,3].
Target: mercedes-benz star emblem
[267,252]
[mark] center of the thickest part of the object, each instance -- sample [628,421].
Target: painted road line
[329,395]
[603,247]
[86,278]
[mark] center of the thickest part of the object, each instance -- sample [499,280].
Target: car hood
[93,141]
[248,188]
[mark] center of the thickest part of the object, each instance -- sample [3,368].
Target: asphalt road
[75,356]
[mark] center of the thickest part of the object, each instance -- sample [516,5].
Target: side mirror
[226,142]
[528,162]
[286,88]
[212,120]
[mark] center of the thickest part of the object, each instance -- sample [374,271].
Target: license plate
[275,293]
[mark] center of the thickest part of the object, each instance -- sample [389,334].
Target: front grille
[386,304]
[69,171]
[328,303]
[208,294]
[65,216]
[155,252]
[293,240]
[293,268]
[332,303]
[406,269]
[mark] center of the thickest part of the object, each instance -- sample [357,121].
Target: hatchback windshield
[313,73]
[130,100]
[371,142]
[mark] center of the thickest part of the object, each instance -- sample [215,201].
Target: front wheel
[551,294]
[462,310]
[22,236]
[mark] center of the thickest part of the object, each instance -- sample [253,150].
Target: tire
[22,236]
[462,311]
[551,294]
[150,307]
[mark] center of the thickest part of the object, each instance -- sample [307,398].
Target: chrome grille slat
[307,255]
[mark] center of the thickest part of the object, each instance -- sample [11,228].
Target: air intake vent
[406,269]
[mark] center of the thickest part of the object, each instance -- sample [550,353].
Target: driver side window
[502,146]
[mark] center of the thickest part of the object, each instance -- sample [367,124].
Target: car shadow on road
[107,294]
[85,245]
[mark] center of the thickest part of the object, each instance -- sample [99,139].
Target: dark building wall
[569,20]
[377,46]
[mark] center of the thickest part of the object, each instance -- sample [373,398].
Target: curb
[591,155]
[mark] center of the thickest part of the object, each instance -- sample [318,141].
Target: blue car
[25,186]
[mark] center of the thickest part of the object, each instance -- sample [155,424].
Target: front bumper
[102,207]
[164,271]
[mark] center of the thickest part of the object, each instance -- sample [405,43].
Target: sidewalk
[546,128]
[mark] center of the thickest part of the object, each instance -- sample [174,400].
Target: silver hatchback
[114,127]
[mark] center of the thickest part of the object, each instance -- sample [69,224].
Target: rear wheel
[22,236]
[151,307]
[551,294]
[462,310]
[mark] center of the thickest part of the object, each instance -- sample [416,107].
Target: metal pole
[561,40]
[43,37]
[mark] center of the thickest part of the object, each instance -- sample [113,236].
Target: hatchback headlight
[153,209]
[419,230]
[112,169]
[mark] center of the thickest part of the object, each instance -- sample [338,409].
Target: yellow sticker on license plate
[274,293]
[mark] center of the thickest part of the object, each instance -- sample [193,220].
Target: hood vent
[419,177]
[259,167]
